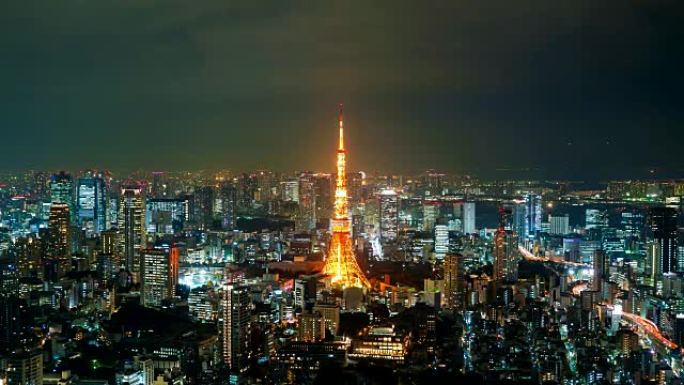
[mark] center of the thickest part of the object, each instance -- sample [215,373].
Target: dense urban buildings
[183,200]
[233,278]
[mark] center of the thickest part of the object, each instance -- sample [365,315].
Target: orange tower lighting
[341,264]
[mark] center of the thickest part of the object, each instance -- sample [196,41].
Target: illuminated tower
[341,264]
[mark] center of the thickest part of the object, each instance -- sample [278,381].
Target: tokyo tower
[341,264]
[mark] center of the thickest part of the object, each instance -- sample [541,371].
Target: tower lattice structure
[341,265]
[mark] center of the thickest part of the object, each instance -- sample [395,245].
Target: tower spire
[341,265]
[341,124]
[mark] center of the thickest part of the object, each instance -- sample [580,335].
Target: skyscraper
[505,251]
[341,265]
[663,239]
[131,220]
[389,216]
[324,196]
[534,214]
[441,241]
[235,327]
[59,230]
[58,256]
[559,224]
[159,274]
[165,216]
[454,280]
[204,207]
[430,214]
[228,194]
[596,219]
[306,216]
[289,191]
[469,217]
[92,203]
[519,219]
[601,264]
[62,191]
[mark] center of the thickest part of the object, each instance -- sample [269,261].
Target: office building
[24,368]
[469,218]
[62,191]
[235,327]
[663,237]
[441,241]
[559,224]
[165,216]
[159,274]
[534,215]
[92,203]
[389,216]
[505,251]
[131,220]
[454,280]
[306,216]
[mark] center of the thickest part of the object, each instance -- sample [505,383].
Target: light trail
[555,259]
[578,289]
[642,323]
[650,328]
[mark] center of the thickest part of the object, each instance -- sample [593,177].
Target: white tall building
[534,214]
[469,217]
[289,190]
[389,215]
[559,225]
[441,241]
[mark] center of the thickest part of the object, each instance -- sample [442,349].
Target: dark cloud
[566,87]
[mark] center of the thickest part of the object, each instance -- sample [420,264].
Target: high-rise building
[632,223]
[534,214]
[559,224]
[331,316]
[12,322]
[62,191]
[430,214]
[165,216]
[25,368]
[131,220]
[228,194]
[389,216]
[159,274]
[203,215]
[160,186]
[289,190]
[454,280]
[59,231]
[306,216]
[596,219]
[469,218]
[519,219]
[441,241]
[235,327]
[505,251]
[311,326]
[663,240]
[601,264]
[92,203]
[322,184]
[58,256]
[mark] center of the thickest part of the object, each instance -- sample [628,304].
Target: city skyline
[551,90]
[500,199]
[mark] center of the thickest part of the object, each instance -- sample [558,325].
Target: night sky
[566,89]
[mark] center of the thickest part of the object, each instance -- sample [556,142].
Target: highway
[554,259]
[643,325]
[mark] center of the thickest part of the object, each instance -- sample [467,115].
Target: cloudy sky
[564,89]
